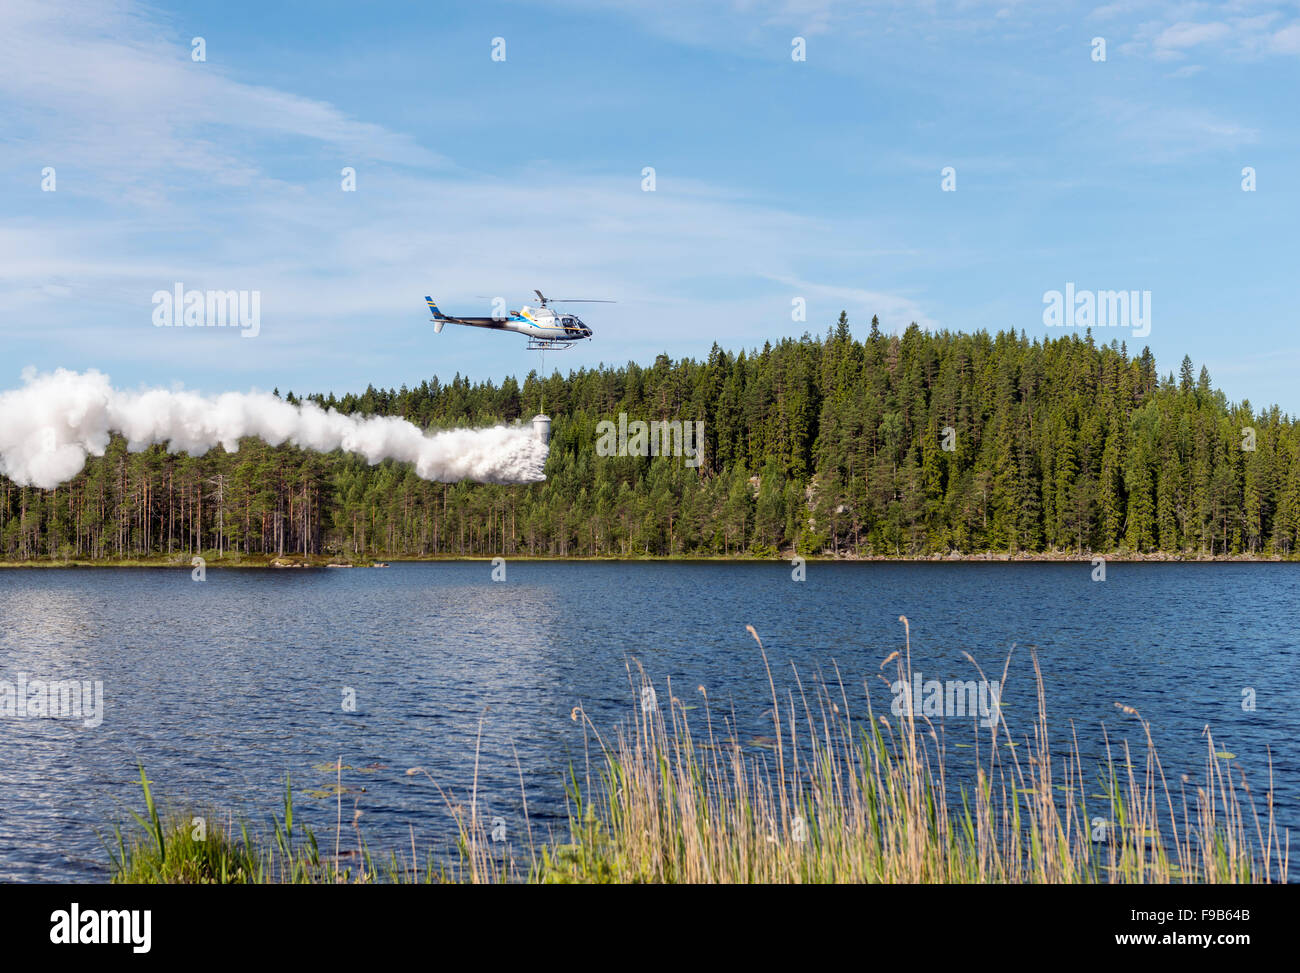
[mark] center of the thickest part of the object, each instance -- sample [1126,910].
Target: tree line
[911,444]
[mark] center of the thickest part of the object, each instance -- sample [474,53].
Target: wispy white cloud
[1167,134]
[103,85]
[1176,38]
[896,311]
[1237,30]
[1286,40]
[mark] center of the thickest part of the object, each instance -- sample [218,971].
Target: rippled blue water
[221,688]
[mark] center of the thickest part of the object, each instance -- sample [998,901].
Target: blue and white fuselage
[543,326]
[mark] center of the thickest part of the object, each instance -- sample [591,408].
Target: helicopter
[544,327]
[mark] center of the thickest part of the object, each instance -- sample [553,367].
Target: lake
[222,687]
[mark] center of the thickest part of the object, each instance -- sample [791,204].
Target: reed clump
[834,798]
[829,797]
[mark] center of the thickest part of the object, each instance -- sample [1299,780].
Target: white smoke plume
[50,425]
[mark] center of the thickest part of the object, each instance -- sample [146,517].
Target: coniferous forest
[914,444]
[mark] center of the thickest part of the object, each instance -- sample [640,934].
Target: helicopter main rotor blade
[577,300]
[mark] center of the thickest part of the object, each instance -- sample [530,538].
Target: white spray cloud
[50,425]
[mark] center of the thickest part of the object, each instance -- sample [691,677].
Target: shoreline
[298,562]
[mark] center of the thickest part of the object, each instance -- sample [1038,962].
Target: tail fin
[438,315]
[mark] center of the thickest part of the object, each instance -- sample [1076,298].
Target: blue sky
[775,179]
